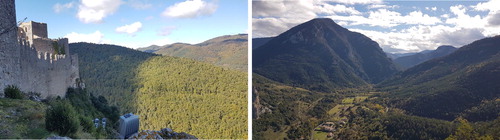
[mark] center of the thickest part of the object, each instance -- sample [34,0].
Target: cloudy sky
[398,26]
[137,23]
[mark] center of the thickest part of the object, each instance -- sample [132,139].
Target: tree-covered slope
[179,93]
[194,97]
[321,55]
[445,87]
[227,51]
[109,70]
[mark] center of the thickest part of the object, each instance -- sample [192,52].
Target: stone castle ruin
[32,61]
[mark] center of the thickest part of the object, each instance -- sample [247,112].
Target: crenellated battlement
[42,55]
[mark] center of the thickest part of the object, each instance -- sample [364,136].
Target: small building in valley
[129,125]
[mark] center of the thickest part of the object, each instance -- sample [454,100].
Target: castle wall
[27,59]
[46,73]
[9,50]
[43,45]
[64,42]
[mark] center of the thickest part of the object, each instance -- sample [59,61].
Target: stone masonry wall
[9,50]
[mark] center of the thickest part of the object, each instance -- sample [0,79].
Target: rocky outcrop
[165,133]
[58,138]
[258,107]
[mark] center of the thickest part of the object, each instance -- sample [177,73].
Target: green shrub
[62,118]
[13,92]
[86,123]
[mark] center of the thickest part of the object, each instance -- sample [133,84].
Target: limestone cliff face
[28,59]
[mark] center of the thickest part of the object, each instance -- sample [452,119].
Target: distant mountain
[412,60]
[227,51]
[447,86]
[150,49]
[321,55]
[397,55]
[257,42]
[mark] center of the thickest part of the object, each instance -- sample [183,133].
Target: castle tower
[36,35]
[9,48]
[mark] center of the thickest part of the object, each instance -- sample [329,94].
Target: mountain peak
[322,55]
[445,47]
[323,22]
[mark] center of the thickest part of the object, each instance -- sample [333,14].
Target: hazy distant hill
[228,51]
[321,55]
[447,86]
[412,60]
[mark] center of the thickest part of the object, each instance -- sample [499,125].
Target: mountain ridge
[228,51]
[445,87]
[415,59]
[323,53]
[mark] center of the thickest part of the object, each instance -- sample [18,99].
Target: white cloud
[416,30]
[413,39]
[386,18]
[352,2]
[94,11]
[326,8]
[96,37]
[265,27]
[139,4]
[494,19]
[493,7]
[463,20]
[377,6]
[459,37]
[285,8]
[61,7]
[431,8]
[271,18]
[165,31]
[275,17]
[190,9]
[130,29]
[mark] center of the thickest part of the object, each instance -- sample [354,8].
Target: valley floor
[363,113]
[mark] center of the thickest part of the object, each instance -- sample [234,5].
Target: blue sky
[398,26]
[137,23]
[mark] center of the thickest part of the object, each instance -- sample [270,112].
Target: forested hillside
[445,87]
[193,97]
[228,51]
[179,93]
[294,113]
[109,70]
[321,55]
